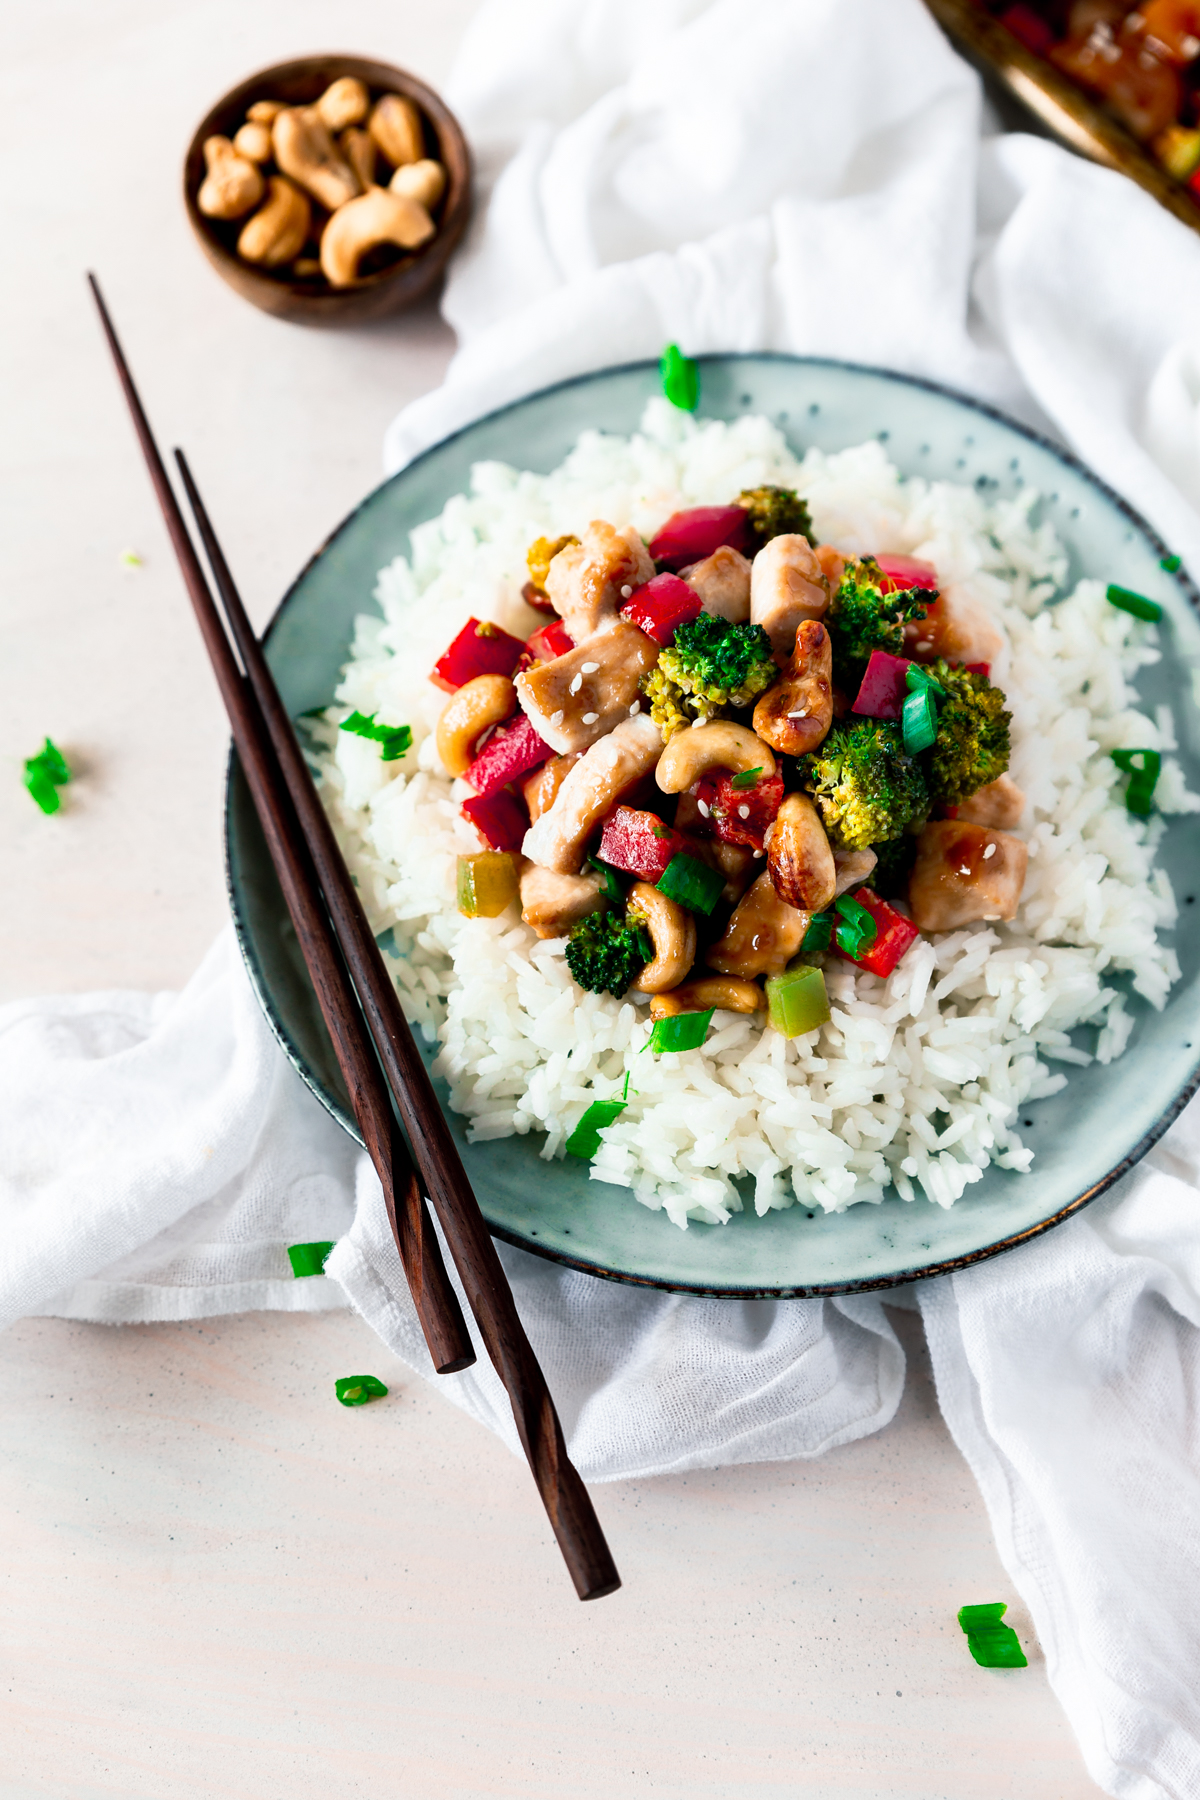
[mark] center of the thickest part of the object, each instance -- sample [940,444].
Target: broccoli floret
[866,786]
[862,618]
[710,668]
[606,949]
[541,554]
[972,744]
[774,510]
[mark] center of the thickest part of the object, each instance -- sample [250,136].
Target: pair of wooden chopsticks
[352,985]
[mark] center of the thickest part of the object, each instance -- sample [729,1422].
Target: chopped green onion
[992,1644]
[645,945]
[796,1001]
[819,933]
[613,890]
[857,929]
[584,1141]
[1137,604]
[308,1259]
[356,1390]
[1142,767]
[682,1031]
[1170,563]
[45,773]
[748,778]
[130,559]
[693,884]
[395,739]
[917,678]
[919,720]
[680,379]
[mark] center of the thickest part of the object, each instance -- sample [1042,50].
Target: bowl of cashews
[329,190]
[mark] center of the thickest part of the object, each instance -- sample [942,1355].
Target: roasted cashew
[278,229]
[376,217]
[232,186]
[358,148]
[264,111]
[762,936]
[253,141]
[717,745]
[344,102]
[795,714]
[487,700]
[799,856]
[305,151]
[395,124]
[725,992]
[673,934]
[424,182]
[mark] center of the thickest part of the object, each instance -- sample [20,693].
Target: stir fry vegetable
[866,786]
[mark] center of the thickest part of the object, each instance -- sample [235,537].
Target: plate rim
[331,1102]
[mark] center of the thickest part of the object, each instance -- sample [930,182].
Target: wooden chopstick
[420,1253]
[566,1500]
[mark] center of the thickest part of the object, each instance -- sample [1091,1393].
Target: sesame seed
[635,707]
[802,714]
[743,811]
[626,591]
[556,718]
[588,668]
[705,808]
[990,851]
[696,723]
[990,918]
[757,854]
[576,685]
[925,644]
[590,718]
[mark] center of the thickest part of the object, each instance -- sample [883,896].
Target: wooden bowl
[310,300]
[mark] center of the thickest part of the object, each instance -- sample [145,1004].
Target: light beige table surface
[214,1581]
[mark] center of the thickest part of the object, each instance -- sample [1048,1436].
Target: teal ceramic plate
[1084,1137]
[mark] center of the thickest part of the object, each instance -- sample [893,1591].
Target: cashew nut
[725,992]
[673,934]
[376,217]
[799,856]
[264,111]
[795,714]
[424,182]
[253,142]
[717,745]
[278,229]
[487,700]
[358,148]
[305,151]
[344,102]
[762,936]
[232,185]
[395,124]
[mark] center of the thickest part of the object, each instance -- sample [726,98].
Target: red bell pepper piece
[662,606]
[883,690]
[1024,23]
[688,537]
[480,648]
[907,572]
[639,843]
[725,802]
[894,934]
[983,669]
[549,641]
[511,751]
[500,820]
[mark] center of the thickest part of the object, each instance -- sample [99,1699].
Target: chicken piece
[552,903]
[722,581]
[794,715]
[998,805]
[538,790]
[762,936]
[579,697]
[965,872]
[787,584]
[851,868]
[833,565]
[587,582]
[559,839]
[958,629]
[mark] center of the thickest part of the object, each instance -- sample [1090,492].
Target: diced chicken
[965,872]
[999,804]
[762,936]
[579,697]
[851,868]
[787,584]
[552,903]
[958,629]
[722,581]
[559,839]
[586,581]
[538,790]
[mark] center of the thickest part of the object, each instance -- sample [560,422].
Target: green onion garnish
[45,773]
[1137,604]
[693,884]
[992,1644]
[613,890]
[819,933]
[682,1031]
[917,678]
[584,1141]
[857,929]
[356,1390]
[748,778]
[919,719]
[395,739]
[1142,767]
[308,1259]
[680,379]
[1170,563]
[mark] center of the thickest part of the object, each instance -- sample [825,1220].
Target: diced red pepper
[1194,183]
[639,843]
[983,669]
[884,687]
[894,934]
[533,596]
[907,572]
[725,802]
[500,820]
[662,606]
[1024,23]
[480,648]
[549,641]
[509,752]
[688,537]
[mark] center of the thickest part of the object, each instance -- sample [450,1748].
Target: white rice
[918,1080]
